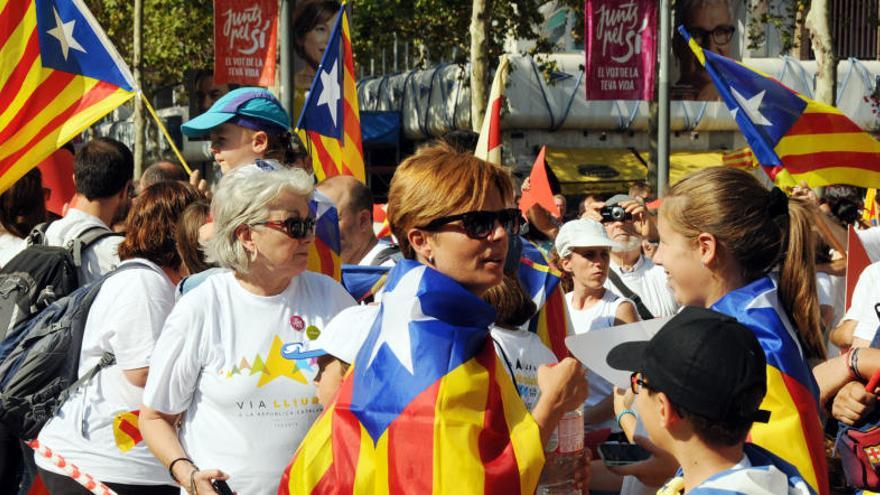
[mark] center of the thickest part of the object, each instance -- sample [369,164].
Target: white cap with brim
[342,338]
[582,233]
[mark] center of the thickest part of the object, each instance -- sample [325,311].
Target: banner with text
[620,49]
[245,39]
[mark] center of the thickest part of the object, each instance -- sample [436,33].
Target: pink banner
[620,49]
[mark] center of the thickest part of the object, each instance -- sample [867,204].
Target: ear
[668,416]
[244,234]
[565,264]
[260,142]
[419,240]
[364,221]
[707,246]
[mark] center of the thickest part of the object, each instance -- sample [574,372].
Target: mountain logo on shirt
[273,366]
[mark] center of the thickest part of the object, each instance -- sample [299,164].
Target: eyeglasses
[721,35]
[479,224]
[296,228]
[636,383]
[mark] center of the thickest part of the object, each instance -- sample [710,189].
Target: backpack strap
[390,252]
[644,312]
[37,235]
[85,239]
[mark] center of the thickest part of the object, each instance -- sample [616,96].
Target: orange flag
[856,261]
[539,193]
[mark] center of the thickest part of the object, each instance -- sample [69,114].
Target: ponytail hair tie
[777,203]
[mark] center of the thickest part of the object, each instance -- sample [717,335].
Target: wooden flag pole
[165,132]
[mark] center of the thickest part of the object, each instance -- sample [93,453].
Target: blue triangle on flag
[71,41]
[322,113]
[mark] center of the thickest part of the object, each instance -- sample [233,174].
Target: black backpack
[39,360]
[42,274]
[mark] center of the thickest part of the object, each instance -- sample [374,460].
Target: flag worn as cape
[426,407]
[59,74]
[489,143]
[794,137]
[330,122]
[794,432]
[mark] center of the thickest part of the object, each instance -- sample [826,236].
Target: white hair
[245,197]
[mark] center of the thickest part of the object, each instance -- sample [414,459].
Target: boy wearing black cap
[698,384]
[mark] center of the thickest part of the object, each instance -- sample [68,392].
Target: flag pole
[663,102]
[165,132]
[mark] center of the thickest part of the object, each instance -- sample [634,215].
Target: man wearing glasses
[711,24]
[698,385]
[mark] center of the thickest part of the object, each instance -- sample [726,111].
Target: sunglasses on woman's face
[296,228]
[479,224]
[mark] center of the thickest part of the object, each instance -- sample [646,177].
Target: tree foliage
[178,36]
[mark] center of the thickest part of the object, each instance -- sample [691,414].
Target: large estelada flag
[325,249]
[543,283]
[330,123]
[793,137]
[794,431]
[426,406]
[58,75]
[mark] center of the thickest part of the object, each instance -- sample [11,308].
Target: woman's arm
[833,374]
[563,388]
[160,434]
[626,313]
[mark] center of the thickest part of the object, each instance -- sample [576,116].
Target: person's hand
[592,211]
[564,384]
[623,399]
[852,403]
[197,481]
[654,471]
[201,185]
[806,194]
[639,216]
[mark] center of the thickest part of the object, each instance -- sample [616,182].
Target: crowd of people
[236,365]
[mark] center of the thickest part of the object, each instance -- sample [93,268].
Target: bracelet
[854,363]
[175,461]
[624,413]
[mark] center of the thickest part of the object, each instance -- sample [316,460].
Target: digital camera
[615,213]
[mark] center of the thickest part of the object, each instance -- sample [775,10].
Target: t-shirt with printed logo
[246,408]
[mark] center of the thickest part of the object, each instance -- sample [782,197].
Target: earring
[431,260]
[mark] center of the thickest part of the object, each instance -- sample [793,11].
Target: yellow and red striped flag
[793,137]
[489,144]
[58,75]
[330,122]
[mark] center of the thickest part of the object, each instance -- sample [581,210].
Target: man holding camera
[632,275]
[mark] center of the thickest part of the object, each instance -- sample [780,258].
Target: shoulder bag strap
[644,312]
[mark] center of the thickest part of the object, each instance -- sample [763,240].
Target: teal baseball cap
[254,108]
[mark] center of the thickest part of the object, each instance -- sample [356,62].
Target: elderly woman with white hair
[217,370]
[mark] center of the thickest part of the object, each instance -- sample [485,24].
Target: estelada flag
[324,253]
[793,137]
[794,431]
[330,123]
[543,284]
[489,143]
[426,407]
[58,75]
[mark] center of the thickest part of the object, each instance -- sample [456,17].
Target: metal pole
[286,41]
[395,52]
[663,99]
[137,62]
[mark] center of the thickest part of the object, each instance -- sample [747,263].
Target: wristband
[175,461]
[854,364]
[624,413]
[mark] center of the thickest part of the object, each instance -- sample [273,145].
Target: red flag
[539,192]
[856,261]
[57,172]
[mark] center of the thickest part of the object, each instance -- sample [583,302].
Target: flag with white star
[793,137]
[427,406]
[59,74]
[330,120]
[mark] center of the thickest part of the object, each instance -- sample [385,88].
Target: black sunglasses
[636,383]
[296,228]
[479,224]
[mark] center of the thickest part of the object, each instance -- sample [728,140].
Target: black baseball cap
[705,362]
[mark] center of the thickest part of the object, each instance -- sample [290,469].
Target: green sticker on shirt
[312,332]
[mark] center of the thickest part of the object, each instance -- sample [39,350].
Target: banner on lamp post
[245,39]
[620,49]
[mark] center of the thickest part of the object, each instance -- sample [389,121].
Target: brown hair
[566,279]
[306,16]
[438,181]
[513,306]
[734,207]
[151,226]
[23,206]
[191,220]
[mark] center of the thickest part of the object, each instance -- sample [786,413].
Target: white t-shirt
[96,429]
[522,351]
[649,281]
[865,295]
[368,258]
[10,245]
[246,408]
[600,315]
[100,257]
[831,290]
[870,238]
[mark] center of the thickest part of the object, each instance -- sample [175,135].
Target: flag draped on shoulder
[489,143]
[58,75]
[325,249]
[793,137]
[794,432]
[330,122]
[542,283]
[363,282]
[426,406]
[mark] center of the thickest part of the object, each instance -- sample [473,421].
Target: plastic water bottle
[563,454]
